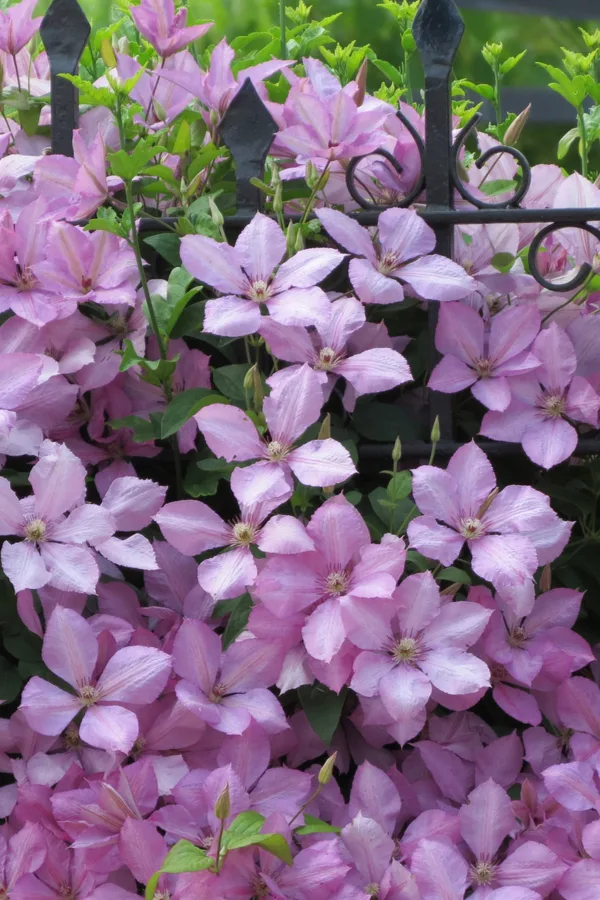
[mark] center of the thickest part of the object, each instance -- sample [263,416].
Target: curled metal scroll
[500,149]
[419,184]
[582,275]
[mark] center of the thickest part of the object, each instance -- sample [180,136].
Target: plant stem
[219,842]
[497,104]
[567,302]
[407,79]
[282,29]
[308,802]
[583,148]
[313,194]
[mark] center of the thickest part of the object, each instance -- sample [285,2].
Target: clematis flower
[193,528]
[485,362]
[329,351]
[17,26]
[88,266]
[291,408]
[425,645]
[133,676]
[251,275]
[401,252]
[157,21]
[23,853]
[370,850]
[509,533]
[63,870]
[343,587]
[546,402]
[53,549]
[227,690]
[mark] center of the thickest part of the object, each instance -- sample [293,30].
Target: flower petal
[229,432]
[111,728]
[135,675]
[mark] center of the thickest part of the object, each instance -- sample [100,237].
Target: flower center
[162,895]
[25,282]
[483,367]
[483,872]
[35,531]
[71,737]
[388,263]
[89,695]
[405,650]
[259,887]
[516,637]
[277,451]
[259,291]
[337,583]
[328,358]
[66,891]
[218,692]
[471,528]
[554,405]
[372,890]
[243,534]
[497,673]
[86,284]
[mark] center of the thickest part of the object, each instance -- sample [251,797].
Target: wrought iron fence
[248,130]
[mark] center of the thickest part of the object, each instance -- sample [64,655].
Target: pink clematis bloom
[344,586]
[251,275]
[578,707]
[509,533]
[424,646]
[370,849]
[88,266]
[545,402]
[22,854]
[53,549]
[157,21]
[63,871]
[193,528]
[401,252]
[133,676]
[329,351]
[227,690]
[582,879]
[484,360]
[17,26]
[289,411]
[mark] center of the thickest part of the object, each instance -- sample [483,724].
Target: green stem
[497,104]
[572,299]
[407,78]
[308,802]
[583,149]
[313,195]
[282,29]
[219,842]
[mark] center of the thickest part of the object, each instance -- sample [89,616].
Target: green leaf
[167,246]
[129,357]
[503,262]
[312,825]
[454,575]
[400,486]
[182,857]
[323,708]
[565,142]
[143,430]
[500,186]
[230,381]
[104,225]
[389,71]
[203,159]
[203,476]
[484,90]
[190,321]
[245,824]
[275,844]
[128,165]
[183,141]
[237,620]
[10,681]
[186,405]
[509,64]
[393,513]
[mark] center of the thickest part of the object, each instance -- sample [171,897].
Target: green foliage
[323,708]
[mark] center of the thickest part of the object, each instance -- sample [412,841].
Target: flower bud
[311,175]
[361,82]
[278,199]
[326,772]
[257,386]
[325,430]
[299,242]
[249,379]
[452,590]
[487,503]
[397,451]
[546,579]
[516,128]
[108,54]
[223,804]
[408,42]
[215,213]
[436,431]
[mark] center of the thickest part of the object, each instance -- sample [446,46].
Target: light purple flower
[251,275]
[157,21]
[401,252]
[546,402]
[133,676]
[483,359]
[291,408]
[509,533]
[18,26]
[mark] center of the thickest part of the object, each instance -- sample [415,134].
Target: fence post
[64,31]
[438,30]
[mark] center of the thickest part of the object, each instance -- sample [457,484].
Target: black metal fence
[248,130]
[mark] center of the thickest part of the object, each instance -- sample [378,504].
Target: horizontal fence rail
[248,130]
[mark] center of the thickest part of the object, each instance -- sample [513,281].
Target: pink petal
[71,568]
[260,248]
[583,401]
[369,846]
[437,278]
[142,849]
[555,351]
[460,332]
[229,432]
[23,566]
[86,523]
[284,534]
[418,599]
[133,502]
[451,375]
[260,704]
[493,393]
[404,692]
[369,669]
[458,624]
[321,463]
[48,710]
[375,370]
[581,881]
[135,551]
[512,331]
[192,527]
[518,704]
[436,494]
[504,559]
[454,671]
[57,479]
[532,866]
[347,233]
[434,540]
[440,871]
[549,442]
[294,406]
[213,263]
[231,317]
[229,574]
[307,268]
[301,306]
[405,234]
[287,342]
[324,632]
[198,703]
[347,317]
[197,654]
[135,675]
[109,728]
[373,287]
[11,517]
[70,647]
[474,477]
[487,819]
[338,530]
[578,705]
